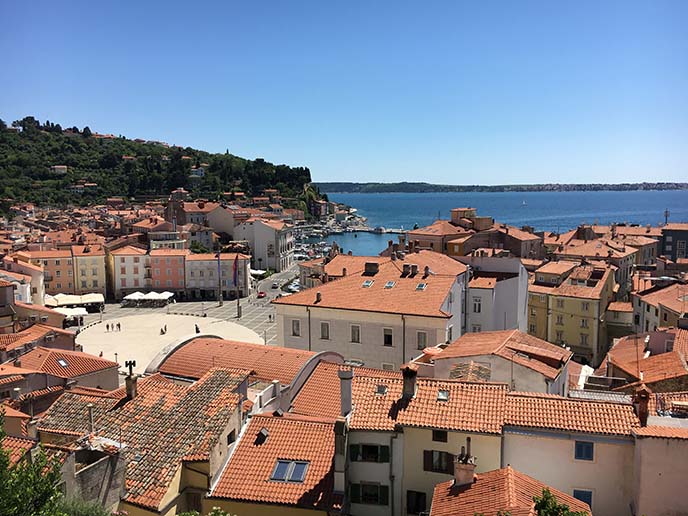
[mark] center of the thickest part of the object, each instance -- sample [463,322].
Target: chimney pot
[345,378]
[426,271]
[409,372]
[318,297]
[642,400]
[344,271]
[414,269]
[464,466]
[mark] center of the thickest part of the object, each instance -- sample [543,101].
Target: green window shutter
[354,452]
[384,454]
[384,495]
[355,493]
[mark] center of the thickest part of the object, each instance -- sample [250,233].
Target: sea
[545,211]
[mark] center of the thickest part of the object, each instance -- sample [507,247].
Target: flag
[235,269]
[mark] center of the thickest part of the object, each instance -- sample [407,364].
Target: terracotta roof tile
[269,363]
[247,476]
[662,432]
[164,424]
[536,410]
[65,364]
[17,447]
[31,334]
[505,490]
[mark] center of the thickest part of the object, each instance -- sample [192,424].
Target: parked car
[275,285]
[261,294]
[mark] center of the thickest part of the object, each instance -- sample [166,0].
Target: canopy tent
[134,296]
[257,272]
[66,300]
[139,299]
[72,312]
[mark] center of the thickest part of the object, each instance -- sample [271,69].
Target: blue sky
[484,92]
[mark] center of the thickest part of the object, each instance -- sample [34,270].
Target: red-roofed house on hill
[381,315]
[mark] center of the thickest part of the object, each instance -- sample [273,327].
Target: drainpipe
[391,472]
[308,309]
[403,336]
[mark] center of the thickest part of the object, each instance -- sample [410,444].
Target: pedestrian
[101,354]
[119,327]
[165,328]
[107,327]
[198,330]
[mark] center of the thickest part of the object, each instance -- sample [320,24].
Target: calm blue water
[548,211]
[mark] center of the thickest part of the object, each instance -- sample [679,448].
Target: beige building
[89,269]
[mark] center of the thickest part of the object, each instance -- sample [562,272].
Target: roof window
[381,389]
[289,471]
[443,395]
[390,284]
[62,362]
[368,283]
[421,286]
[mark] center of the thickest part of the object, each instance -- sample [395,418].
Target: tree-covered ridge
[123,167]
[406,187]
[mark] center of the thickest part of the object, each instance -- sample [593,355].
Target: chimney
[641,400]
[318,297]
[409,372]
[340,431]
[394,257]
[414,269]
[410,246]
[344,271]
[464,466]
[345,378]
[417,246]
[406,270]
[371,268]
[32,429]
[17,363]
[426,271]
[130,380]
[395,248]
[15,393]
[91,424]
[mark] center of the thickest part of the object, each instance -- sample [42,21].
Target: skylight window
[62,362]
[381,389]
[421,286]
[443,395]
[368,283]
[390,284]
[289,471]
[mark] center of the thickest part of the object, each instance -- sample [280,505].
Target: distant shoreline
[404,187]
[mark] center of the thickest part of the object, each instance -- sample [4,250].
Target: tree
[29,487]
[87,132]
[547,505]
[215,512]
[3,125]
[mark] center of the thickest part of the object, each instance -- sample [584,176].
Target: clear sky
[483,92]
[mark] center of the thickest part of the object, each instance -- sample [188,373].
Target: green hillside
[123,167]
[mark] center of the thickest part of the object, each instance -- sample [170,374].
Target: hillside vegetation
[123,167]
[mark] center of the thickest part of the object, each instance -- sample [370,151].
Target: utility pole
[666,216]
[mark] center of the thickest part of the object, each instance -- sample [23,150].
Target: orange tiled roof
[247,474]
[348,293]
[162,426]
[128,250]
[505,490]
[31,334]
[471,407]
[17,446]
[76,363]
[438,228]
[620,306]
[556,267]
[521,348]
[200,257]
[268,363]
[662,432]
[536,410]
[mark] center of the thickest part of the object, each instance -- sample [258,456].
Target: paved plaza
[140,338]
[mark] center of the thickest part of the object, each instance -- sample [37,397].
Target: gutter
[308,309]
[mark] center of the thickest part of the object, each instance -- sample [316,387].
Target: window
[94,272]
[231,437]
[57,273]
[59,285]
[584,323]
[584,495]
[157,272]
[560,303]
[390,284]
[368,453]
[560,320]
[356,333]
[83,284]
[95,283]
[560,336]
[416,502]
[421,286]
[439,436]
[422,339]
[289,471]
[368,283]
[475,328]
[585,450]
[583,339]
[442,395]
[57,262]
[136,259]
[62,362]
[438,461]
[83,272]
[477,305]
[532,328]
[386,366]
[387,337]
[325,331]
[585,306]
[533,311]
[296,328]
[373,494]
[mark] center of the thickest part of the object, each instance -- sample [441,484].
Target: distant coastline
[407,187]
